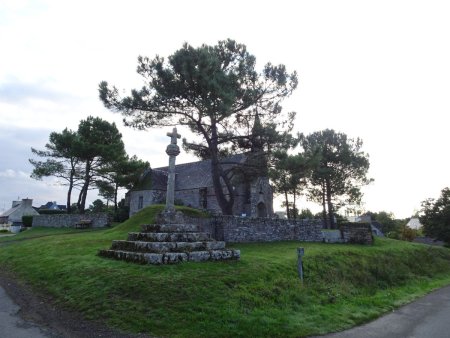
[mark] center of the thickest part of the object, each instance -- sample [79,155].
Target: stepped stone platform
[169,243]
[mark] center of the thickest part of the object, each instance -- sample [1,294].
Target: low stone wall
[357,233]
[241,229]
[64,221]
[332,236]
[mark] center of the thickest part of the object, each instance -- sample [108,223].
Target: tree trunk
[69,192]
[217,175]
[115,197]
[324,208]
[330,204]
[287,204]
[85,188]
[225,205]
[294,206]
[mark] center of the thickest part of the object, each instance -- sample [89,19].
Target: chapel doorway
[261,210]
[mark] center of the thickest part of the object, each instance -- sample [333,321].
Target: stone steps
[169,236]
[170,228]
[161,247]
[168,243]
[171,257]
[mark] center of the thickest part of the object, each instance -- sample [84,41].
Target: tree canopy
[435,216]
[62,161]
[86,159]
[216,92]
[340,172]
[288,175]
[122,172]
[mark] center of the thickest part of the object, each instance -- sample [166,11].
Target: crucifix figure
[172,150]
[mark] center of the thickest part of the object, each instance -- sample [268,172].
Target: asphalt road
[11,325]
[427,317]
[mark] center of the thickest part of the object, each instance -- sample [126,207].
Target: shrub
[27,220]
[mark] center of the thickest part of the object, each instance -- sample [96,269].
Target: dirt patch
[55,321]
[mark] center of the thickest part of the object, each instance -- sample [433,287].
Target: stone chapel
[194,188]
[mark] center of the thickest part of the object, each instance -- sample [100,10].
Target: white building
[414,223]
[14,215]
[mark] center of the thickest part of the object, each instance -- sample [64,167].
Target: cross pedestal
[172,150]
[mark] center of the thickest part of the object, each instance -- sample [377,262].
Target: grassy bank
[260,295]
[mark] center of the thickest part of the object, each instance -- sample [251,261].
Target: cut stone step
[170,228]
[136,257]
[162,247]
[171,257]
[169,236]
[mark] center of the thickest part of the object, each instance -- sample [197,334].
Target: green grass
[259,296]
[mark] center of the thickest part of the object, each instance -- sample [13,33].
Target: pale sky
[378,70]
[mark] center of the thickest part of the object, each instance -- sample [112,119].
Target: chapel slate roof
[193,175]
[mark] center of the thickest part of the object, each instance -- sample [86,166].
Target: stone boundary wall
[65,221]
[233,229]
[332,236]
[357,233]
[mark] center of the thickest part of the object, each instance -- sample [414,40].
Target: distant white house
[414,223]
[14,215]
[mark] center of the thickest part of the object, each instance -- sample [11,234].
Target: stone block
[215,245]
[174,257]
[199,256]
[217,255]
[170,228]
[154,258]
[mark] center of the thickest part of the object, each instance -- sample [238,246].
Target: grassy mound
[147,215]
[260,295]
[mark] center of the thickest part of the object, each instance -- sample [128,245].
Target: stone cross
[172,150]
[173,136]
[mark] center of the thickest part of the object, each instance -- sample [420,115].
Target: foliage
[74,208]
[408,234]
[97,206]
[92,157]
[288,175]
[123,172]
[387,220]
[27,220]
[100,144]
[260,295]
[306,214]
[62,161]
[340,171]
[216,92]
[122,213]
[435,216]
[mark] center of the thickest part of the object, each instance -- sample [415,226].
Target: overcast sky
[378,70]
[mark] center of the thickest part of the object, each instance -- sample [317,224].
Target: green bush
[27,220]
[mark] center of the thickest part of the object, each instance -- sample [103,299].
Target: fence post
[300,253]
